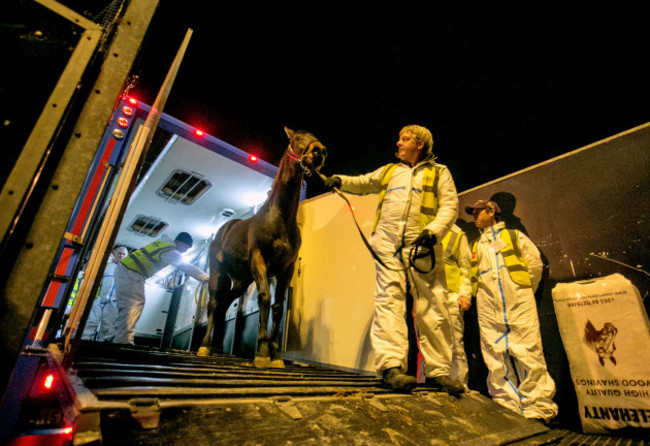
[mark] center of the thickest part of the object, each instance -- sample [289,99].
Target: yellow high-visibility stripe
[146,260]
[512,257]
[450,245]
[428,199]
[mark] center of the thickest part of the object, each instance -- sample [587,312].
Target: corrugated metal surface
[124,373]
[150,397]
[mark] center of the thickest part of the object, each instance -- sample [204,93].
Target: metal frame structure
[31,269]
[82,102]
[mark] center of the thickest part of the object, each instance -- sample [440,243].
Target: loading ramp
[149,396]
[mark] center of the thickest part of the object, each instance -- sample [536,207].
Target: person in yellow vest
[100,325]
[506,270]
[418,204]
[137,267]
[457,255]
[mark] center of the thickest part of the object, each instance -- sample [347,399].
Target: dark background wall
[588,212]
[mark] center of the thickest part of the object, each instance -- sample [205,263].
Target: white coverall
[397,229]
[510,337]
[459,368]
[103,313]
[129,293]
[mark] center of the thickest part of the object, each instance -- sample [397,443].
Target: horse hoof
[277,364]
[262,362]
[203,351]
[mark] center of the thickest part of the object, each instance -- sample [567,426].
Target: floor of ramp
[149,397]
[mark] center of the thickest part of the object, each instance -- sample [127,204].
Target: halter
[294,156]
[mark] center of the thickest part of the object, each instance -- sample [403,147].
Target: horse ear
[289,132]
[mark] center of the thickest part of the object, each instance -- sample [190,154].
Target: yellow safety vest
[146,260]
[512,257]
[428,200]
[450,248]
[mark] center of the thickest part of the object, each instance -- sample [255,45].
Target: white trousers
[512,349]
[129,297]
[459,368]
[389,334]
[101,321]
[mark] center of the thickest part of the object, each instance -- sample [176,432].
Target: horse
[259,248]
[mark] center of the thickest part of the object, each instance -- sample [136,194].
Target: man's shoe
[446,384]
[552,423]
[397,380]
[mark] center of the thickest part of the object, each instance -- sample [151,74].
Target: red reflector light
[133,101]
[48,382]
[123,122]
[128,111]
[198,132]
[252,158]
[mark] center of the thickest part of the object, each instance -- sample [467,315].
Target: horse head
[306,149]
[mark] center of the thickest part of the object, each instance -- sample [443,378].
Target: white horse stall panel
[332,296]
[154,315]
[188,304]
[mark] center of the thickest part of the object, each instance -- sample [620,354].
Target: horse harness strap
[298,158]
[291,154]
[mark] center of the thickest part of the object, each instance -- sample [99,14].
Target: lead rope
[414,253]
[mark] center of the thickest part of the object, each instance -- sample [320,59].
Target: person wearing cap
[132,272]
[506,270]
[418,205]
[100,325]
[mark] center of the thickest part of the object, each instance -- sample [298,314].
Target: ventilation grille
[149,226]
[227,213]
[184,187]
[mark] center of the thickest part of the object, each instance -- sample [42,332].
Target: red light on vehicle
[67,430]
[198,132]
[123,122]
[128,111]
[133,101]
[252,158]
[48,382]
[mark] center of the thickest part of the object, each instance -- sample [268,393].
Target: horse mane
[286,169]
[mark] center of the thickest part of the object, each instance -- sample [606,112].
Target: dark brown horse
[259,248]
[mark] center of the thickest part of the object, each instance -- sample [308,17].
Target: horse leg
[258,268]
[216,287]
[278,310]
[219,325]
[206,344]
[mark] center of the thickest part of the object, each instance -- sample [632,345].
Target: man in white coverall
[506,270]
[457,257]
[101,321]
[417,205]
[137,267]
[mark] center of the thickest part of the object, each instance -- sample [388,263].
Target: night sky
[502,85]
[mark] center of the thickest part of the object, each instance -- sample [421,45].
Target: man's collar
[495,227]
[423,162]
